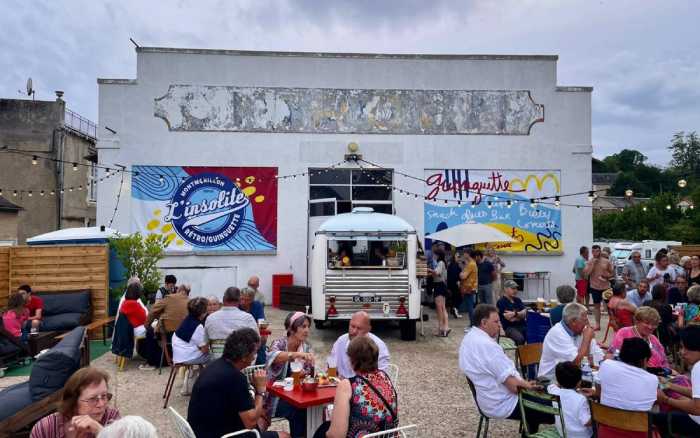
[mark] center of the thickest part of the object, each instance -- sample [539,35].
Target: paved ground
[432,391]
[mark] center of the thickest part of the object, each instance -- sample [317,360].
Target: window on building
[92,184]
[352,188]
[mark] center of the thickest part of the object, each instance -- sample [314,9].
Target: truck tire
[408,329]
[319,324]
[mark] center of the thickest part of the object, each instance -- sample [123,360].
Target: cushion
[77,302]
[62,322]
[13,399]
[53,368]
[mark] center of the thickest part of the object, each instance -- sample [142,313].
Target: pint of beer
[540,304]
[297,368]
[332,367]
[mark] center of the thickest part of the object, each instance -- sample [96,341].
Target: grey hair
[214,298]
[130,426]
[248,291]
[565,293]
[694,294]
[573,312]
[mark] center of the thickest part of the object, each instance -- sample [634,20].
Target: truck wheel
[408,329]
[319,324]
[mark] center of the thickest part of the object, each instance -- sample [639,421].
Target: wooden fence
[687,250]
[55,268]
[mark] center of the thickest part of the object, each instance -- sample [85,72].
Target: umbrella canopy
[469,234]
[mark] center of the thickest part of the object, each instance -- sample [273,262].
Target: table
[314,403]
[100,323]
[40,341]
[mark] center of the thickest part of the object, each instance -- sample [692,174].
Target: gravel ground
[433,393]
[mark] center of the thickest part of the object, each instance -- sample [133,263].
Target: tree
[140,256]
[685,150]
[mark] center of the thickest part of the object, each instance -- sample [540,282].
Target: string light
[161,179]
[34,160]
[509,204]
[557,202]
[533,203]
[682,183]
[14,193]
[29,193]
[591,196]
[75,167]
[668,206]
[42,193]
[488,204]
[644,208]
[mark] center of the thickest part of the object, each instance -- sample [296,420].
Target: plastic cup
[288,384]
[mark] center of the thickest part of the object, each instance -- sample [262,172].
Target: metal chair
[216,348]
[249,371]
[244,432]
[483,419]
[529,358]
[541,402]
[182,426]
[629,421]
[392,371]
[409,431]
[174,369]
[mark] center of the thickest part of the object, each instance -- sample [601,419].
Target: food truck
[366,261]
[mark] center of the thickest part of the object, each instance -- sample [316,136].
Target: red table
[313,401]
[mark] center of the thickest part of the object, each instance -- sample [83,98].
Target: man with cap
[512,312]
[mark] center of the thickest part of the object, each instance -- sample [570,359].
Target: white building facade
[442,139]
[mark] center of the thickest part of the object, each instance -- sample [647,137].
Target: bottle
[587,373]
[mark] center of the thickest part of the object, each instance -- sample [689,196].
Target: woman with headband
[291,348]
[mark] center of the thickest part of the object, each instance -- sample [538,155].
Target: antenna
[30,88]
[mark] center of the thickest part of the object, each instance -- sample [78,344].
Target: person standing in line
[580,278]
[661,272]
[439,275]
[498,265]
[468,284]
[634,271]
[600,271]
[453,271]
[486,276]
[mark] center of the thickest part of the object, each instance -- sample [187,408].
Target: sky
[641,57]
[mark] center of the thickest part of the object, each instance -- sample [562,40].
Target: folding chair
[529,359]
[620,419]
[483,419]
[392,371]
[174,369]
[216,348]
[182,426]
[409,431]
[541,402]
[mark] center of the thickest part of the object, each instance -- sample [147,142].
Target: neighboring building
[602,182]
[608,204]
[200,126]
[9,220]
[51,196]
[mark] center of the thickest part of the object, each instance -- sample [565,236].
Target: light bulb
[682,183]
[668,206]
[34,160]
[489,204]
[557,203]
[629,193]
[29,193]
[75,166]
[42,193]
[591,196]
[644,208]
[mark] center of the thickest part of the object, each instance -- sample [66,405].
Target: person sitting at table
[35,305]
[257,310]
[573,404]
[646,320]
[230,318]
[620,310]
[360,325]
[133,310]
[678,293]
[572,339]
[512,312]
[684,420]
[84,408]
[565,294]
[213,304]
[293,347]
[492,373]
[221,402]
[15,319]
[667,331]
[171,310]
[691,314]
[625,383]
[189,340]
[640,296]
[367,402]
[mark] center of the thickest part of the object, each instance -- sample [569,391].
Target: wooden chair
[629,421]
[174,369]
[529,355]
[541,402]
[409,431]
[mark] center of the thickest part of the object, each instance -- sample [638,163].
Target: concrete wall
[8,225]
[562,141]
[36,127]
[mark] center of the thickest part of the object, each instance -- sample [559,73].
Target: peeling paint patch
[347,111]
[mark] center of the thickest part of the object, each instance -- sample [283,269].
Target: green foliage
[140,256]
[685,149]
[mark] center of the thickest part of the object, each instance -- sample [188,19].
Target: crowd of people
[653,314]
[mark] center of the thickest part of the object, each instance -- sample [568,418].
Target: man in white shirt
[229,318]
[624,383]
[641,295]
[661,272]
[360,325]
[492,373]
[572,339]
[687,421]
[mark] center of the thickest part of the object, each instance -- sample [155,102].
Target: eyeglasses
[92,401]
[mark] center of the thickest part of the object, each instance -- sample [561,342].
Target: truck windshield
[621,253]
[366,253]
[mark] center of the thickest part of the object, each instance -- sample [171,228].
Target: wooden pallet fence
[686,250]
[55,268]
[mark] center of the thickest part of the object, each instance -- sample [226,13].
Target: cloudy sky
[640,56]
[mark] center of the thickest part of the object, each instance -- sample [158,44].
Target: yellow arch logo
[524,185]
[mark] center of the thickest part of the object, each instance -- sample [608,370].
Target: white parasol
[469,234]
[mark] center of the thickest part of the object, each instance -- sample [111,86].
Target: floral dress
[368,412]
[692,314]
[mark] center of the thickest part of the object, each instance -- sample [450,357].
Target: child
[574,406]
[16,316]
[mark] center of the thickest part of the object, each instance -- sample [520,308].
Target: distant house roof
[610,202]
[603,179]
[6,205]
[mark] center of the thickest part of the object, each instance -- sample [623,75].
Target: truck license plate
[366,299]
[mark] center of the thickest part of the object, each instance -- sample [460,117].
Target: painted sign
[498,198]
[207,208]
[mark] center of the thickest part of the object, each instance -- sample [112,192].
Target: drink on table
[297,368]
[332,367]
[540,304]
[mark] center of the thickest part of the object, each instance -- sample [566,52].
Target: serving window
[366,254]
